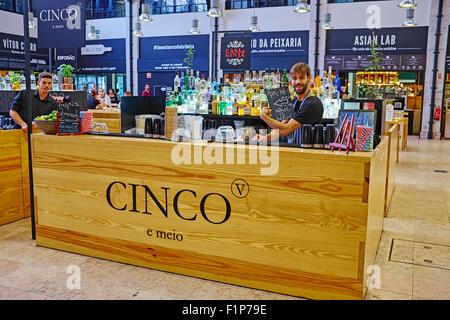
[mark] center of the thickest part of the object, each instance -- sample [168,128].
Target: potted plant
[65,70]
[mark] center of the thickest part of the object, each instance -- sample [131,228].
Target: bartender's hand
[266,112]
[259,138]
[24,127]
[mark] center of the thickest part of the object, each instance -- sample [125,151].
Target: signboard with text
[12,53]
[279,49]
[61,24]
[168,53]
[235,53]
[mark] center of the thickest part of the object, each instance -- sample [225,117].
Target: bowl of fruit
[47,123]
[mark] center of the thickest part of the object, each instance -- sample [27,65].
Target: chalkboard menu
[280,103]
[68,122]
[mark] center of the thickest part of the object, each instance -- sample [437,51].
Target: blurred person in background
[104,97]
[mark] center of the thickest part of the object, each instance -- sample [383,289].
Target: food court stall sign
[235,53]
[61,24]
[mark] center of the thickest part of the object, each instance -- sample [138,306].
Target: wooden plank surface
[393,146]
[11,183]
[310,218]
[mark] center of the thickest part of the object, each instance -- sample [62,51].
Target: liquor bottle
[191,80]
[55,81]
[215,105]
[256,103]
[182,82]
[235,110]
[197,81]
[266,80]
[284,79]
[202,84]
[186,80]
[33,81]
[176,83]
[241,107]
[209,85]
[2,83]
[264,100]
[222,105]
[7,82]
[247,80]
[23,82]
[248,108]
[210,105]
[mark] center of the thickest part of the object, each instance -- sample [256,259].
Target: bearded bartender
[307,108]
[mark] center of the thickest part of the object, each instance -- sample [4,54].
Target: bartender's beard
[302,90]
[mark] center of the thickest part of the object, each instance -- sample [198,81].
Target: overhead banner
[402,49]
[61,24]
[235,53]
[12,53]
[105,56]
[169,53]
[406,41]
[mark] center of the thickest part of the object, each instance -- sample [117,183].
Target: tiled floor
[413,256]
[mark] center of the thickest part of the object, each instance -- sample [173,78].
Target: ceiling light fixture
[195,29]
[327,21]
[410,21]
[92,34]
[138,30]
[407,3]
[31,23]
[302,6]
[253,24]
[214,11]
[145,15]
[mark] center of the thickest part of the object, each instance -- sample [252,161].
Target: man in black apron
[307,108]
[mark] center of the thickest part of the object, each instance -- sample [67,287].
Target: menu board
[68,121]
[413,63]
[390,62]
[280,103]
[387,63]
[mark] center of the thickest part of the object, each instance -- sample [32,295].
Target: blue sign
[61,24]
[168,53]
[102,56]
[66,56]
[279,50]
[12,53]
[406,41]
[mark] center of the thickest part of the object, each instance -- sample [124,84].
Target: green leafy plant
[189,57]
[65,70]
[375,55]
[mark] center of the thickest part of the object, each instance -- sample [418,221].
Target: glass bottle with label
[235,110]
[33,81]
[2,83]
[55,80]
[222,105]
[176,83]
[248,107]
[197,81]
[256,103]
[7,82]
[215,105]
[23,82]
[202,84]
[284,79]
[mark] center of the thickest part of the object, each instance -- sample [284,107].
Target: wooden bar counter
[110,116]
[14,177]
[307,225]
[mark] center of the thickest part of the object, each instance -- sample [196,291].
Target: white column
[426,108]
[135,9]
[127,47]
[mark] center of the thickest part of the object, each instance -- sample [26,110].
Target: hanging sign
[61,24]
[235,53]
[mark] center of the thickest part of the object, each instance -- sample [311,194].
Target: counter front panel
[289,220]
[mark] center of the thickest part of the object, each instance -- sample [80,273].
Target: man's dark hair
[301,68]
[43,75]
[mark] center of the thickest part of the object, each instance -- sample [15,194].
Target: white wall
[12,23]
[354,15]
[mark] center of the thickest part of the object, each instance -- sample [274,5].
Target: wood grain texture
[377,186]
[11,176]
[308,218]
[112,118]
[393,146]
[227,270]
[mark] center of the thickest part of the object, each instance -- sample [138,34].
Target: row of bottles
[327,87]
[16,81]
[193,94]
